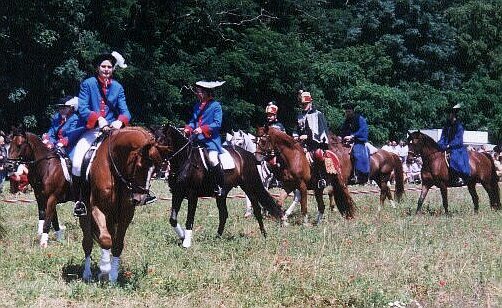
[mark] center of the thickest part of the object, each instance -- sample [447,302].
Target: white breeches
[82,146]
[213,158]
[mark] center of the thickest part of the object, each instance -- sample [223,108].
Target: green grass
[378,258]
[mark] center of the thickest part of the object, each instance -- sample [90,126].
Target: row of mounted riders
[120,173]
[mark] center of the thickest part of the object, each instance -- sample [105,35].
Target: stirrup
[218,191]
[80,209]
[321,183]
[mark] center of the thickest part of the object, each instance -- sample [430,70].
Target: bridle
[129,184]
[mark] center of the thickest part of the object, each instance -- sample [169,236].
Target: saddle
[226,160]
[91,153]
[66,164]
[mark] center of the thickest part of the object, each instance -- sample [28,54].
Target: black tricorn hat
[349,106]
[102,57]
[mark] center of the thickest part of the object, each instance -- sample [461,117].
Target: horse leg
[49,216]
[423,194]
[57,228]
[221,203]
[303,202]
[118,243]
[87,241]
[282,198]
[192,206]
[249,208]
[173,219]
[320,205]
[474,195]
[444,195]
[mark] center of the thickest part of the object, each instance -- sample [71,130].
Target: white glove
[102,122]
[117,124]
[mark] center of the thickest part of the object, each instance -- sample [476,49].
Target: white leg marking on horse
[40,227]
[104,263]
[114,273]
[319,217]
[179,231]
[291,208]
[392,204]
[87,274]
[187,242]
[44,239]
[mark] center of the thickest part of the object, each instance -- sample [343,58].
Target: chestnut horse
[295,172]
[189,179]
[435,171]
[382,165]
[119,179]
[46,176]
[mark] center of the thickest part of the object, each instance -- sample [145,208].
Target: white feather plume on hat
[120,60]
[209,84]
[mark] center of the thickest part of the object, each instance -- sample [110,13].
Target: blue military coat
[452,137]
[209,119]
[89,100]
[358,127]
[64,132]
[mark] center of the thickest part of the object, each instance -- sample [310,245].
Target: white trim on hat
[457,106]
[209,84]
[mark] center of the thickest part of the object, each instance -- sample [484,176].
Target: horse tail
[494,181]
[399,178]
[343,200]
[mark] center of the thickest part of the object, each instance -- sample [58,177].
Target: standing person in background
[452,141]
[205,124]
[403,151]
[355,130]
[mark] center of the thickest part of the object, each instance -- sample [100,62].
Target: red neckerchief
[201,109]
[60,131]
[104,84]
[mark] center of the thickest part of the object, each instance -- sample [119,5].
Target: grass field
[429,260]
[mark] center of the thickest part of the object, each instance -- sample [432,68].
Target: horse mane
[282,138]
[428,141]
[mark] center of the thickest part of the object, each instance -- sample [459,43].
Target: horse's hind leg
[320,205]
[474,195]
[444,195]
[221,203]
[173,219]
[87,241]
[257,213]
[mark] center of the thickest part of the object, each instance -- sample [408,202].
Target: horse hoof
[59,235]
[284,223]
[187,241]
[248,214]
[104,277]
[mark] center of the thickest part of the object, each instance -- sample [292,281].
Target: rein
[129,184]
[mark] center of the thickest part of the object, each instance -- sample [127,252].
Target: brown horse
[295,172]
[46,176]
[383,165]
[119,179]
[189,179]
[435,171]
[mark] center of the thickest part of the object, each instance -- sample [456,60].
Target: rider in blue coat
[355,129]
[205,124]
[452,140]
[63,126]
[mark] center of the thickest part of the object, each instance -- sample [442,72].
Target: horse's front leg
[47,211]
[423,194]
[118,242]
[303,202]
[444,195]
[173,219]
[192,207]
[221,203]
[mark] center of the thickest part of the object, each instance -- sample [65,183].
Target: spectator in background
[19,180]
[3,157]
[387,146]
[412,171]
[403,151]
[497,159]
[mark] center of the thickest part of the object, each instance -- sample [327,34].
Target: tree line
[403,62]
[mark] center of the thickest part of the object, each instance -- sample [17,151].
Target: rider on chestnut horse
[355,130]
[312,131]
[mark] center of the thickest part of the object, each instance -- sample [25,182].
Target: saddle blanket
[66,172]
[332,163]
[371,148]
[226,160]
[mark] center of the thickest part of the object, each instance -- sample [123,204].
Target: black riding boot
[361,178]
[80,208]
[218,177]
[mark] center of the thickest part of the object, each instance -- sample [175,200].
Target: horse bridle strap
[129,184]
